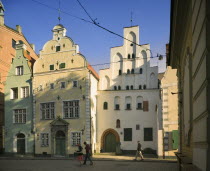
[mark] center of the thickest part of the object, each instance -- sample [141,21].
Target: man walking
[138,151]
[87,155]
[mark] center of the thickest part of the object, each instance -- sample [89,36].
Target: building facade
[170,112]
[190,55]
[65,88]
[19,134]
[9,37]
[128,99]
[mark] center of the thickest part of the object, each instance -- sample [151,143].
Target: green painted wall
[11,128]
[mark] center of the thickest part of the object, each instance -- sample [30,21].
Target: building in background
[128,99]
[8,39]
[190,55]
[170,112]
[19,131]
[65,88]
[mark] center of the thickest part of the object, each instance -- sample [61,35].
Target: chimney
[19,28]
[32,46]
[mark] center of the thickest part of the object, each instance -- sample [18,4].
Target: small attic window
[58,48]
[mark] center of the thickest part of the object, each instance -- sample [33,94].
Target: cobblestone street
[64,165]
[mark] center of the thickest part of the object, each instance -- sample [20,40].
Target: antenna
[59,11]
[131,18]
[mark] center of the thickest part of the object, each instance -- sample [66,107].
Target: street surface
[72,165]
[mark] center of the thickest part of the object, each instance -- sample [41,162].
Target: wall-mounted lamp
[83,130]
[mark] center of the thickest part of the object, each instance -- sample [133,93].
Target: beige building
[65,87]
[170,112]
[190,55]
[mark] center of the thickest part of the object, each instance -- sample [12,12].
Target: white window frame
[73,111]
[19,116]
[47,111]
[76,139]
[25,92]
[44,139]
[19,70]
[73,85]
[12,94]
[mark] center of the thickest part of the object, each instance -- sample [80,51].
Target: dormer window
[19,70]
[58,48]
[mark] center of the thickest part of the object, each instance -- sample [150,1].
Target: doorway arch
[60,143]
[21,143]
[109,139]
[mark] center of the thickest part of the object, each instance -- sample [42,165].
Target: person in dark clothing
[87,155]
[139,151]
[79,148]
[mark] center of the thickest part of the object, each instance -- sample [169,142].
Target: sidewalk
[96,157]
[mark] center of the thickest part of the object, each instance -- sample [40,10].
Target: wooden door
[60,143]
[110,143]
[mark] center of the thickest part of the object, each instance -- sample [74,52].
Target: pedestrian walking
[139,151]
[87,155]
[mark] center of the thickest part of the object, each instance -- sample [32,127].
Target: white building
[128,98]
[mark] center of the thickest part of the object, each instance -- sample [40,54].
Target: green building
[19,125]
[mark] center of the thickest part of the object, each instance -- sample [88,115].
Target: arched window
[119,87]
[115,87]
[129,56]
[141,71]
[127,87]
[128,71]
[132,71]
[105,105]
[117,103]
[139,103]
[131,87]
[120,72]
[145,86]
[133,55]
[118,123]
[128,101]
[140,87]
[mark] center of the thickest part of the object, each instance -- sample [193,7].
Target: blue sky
[37,21]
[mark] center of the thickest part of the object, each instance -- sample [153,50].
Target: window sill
[128,109]
[116,109]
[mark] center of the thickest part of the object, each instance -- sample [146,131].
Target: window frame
[130,137]
[146,137]
[25,92]
[76,138]
[73,85]
[72,108]
[46,109]
[44,139]
[19,70]
[62,85]
[13,93]
[105,106]
[19,118]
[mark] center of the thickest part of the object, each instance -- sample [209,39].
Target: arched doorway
[60,144]
[20,143]
[109,140]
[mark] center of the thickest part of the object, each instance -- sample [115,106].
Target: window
[14,93]
[63,84]
[105,105]
[131,87]
[137,127]
[133,55]
[129,56]
[140,87]
[44,139]
[40,88]
[20,116]
[140,71]
[24,92]
[120,72]
[51,67]
[62,65]
[128,106]
[76,138]
[19,70]
[71,109]
[115,87]
[127,134]
[13,43]
[58,48]
[127,87]
[145,86]
[148,134]
[139,101]
[117,107]
[132,71]
[139,106]
[128,101]
[119,87]
[75,83]
[47,110]
[128,71]
[118,123]
[52,86]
